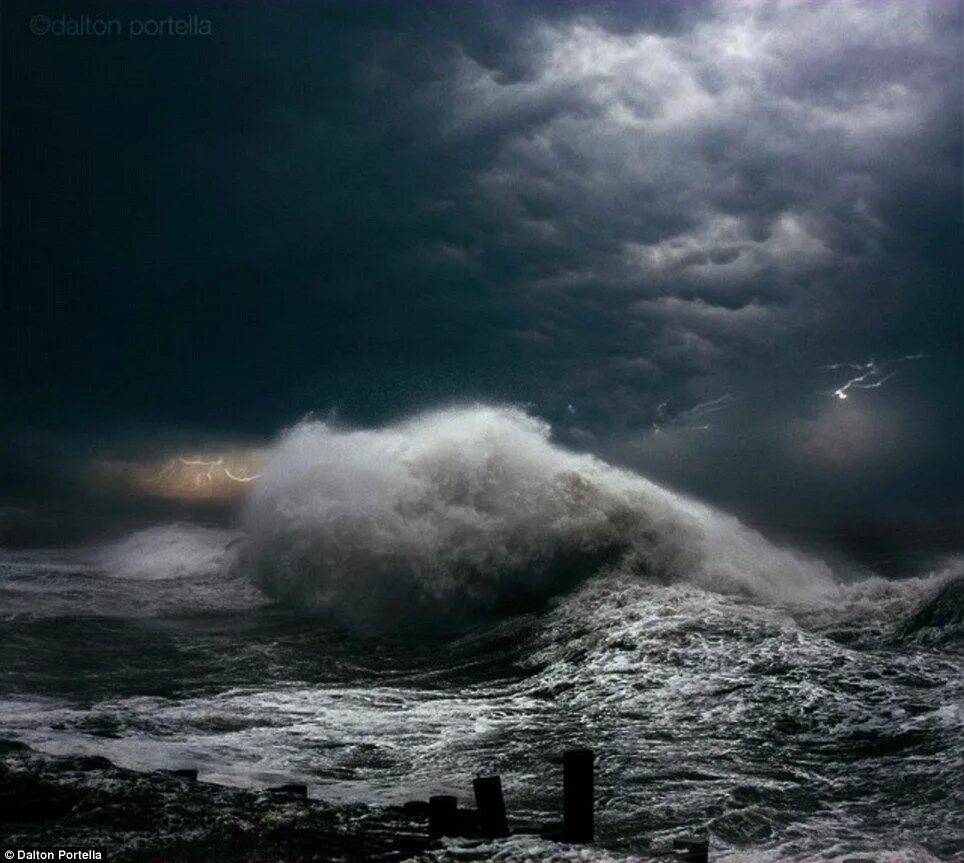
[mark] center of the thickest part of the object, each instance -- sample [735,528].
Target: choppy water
[399,610]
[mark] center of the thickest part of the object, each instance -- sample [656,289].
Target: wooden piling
[697,850]
[188,773]
[577,794]
[443,815]
[295,788]
[491,806]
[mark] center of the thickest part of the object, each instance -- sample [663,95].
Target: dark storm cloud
[728,206]
[593,209]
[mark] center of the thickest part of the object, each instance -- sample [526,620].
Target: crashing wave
[462,512]
[167,551]
[943,611]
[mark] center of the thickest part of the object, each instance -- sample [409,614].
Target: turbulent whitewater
[397,609]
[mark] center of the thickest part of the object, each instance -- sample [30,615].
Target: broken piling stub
[189,774]
[578,767]
[493,823]
[695,850]
[578,826]
[295,788]
[443,815]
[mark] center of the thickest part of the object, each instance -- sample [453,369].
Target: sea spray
[468,511]
[166,551]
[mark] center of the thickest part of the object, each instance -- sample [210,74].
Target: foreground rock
[87,802]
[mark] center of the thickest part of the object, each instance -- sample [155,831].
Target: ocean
[396,611]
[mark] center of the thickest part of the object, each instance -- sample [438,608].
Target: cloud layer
[653,224]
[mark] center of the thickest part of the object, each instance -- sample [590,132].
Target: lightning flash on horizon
[212,465]
[208,472]
[203,476]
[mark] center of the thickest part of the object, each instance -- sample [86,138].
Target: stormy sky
[674,230]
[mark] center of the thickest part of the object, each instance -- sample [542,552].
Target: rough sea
[401,609]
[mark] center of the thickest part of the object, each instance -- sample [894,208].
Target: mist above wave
[474,510]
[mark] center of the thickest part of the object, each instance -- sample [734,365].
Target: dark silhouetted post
[442,815]
[189,773]
[577,795]
[697,850]
[491,806]
[295,788]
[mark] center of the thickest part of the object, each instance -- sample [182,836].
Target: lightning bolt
[251,478]
[209,471]
[720,404]
[206,474]
[660,413]
[693,415]
[872,375]
[164,472]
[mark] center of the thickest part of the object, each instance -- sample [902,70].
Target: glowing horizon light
[209,475]
[211,465]
[201,476]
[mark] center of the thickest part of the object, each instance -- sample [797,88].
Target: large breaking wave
[467,511]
